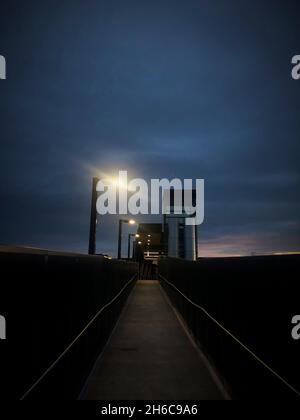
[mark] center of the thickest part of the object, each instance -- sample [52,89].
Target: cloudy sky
[161,88]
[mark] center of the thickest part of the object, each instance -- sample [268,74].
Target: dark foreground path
[150,356]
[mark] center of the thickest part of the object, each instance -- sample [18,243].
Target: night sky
[162,88]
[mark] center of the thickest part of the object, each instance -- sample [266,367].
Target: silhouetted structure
[149,244]
[180,239]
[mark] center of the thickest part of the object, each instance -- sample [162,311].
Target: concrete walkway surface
[150,356]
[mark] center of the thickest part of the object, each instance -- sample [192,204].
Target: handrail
[234,338]
[51,367]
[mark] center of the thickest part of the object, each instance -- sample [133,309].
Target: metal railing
[75,341]
[250,361]
[61,309]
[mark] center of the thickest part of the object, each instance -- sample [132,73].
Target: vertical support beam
[93,220]
[196,240]
[173,237]
[190,242]
[120,239]
[129,245]
[165,235]
[134,250]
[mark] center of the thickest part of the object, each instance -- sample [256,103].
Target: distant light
[131,222]
[137,235]
[287,253]
[140,243]
[149,236]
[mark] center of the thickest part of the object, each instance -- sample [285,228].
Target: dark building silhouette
[180,239]
[150,241]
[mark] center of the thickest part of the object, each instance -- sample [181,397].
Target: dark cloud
[162,88]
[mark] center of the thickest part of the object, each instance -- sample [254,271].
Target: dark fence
[254,299]
[48,298]
[147,270]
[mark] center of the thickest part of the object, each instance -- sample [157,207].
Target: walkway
[150,356]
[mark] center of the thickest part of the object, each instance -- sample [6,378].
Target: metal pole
[130,235]
[134,250]
[196,239]
[93,219]
[120,239]
[129,245]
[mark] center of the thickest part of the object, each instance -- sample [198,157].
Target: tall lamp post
[134,247]
[131,235]
[121,221]
[93,219]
